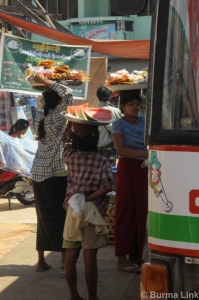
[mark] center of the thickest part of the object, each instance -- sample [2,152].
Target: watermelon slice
[90,113]
[98,114]
[82,114]
[75,109]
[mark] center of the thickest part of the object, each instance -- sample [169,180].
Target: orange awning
[123,48]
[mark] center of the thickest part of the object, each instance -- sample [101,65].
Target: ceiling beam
[27,9]
[28,12]
[48,19]
[15,10]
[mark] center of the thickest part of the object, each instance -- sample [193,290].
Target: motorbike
[17,187]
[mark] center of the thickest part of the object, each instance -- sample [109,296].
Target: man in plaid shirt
[89,173]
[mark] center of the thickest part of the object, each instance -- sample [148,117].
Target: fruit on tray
[82,114]
[90,113]
[98,114]
[75,109]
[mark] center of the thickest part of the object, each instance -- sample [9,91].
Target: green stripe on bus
[173,228]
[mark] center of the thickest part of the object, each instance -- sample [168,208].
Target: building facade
[94,19]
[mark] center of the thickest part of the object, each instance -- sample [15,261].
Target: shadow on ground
[20,281]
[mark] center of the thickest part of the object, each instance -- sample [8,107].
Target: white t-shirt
[105,136]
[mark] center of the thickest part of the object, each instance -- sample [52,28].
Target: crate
[112,199]
[109,219]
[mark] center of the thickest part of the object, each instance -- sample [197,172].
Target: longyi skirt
[131,207]
[49,197]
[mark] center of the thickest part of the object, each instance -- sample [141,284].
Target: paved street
[18,258]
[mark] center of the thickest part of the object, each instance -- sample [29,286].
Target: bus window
[180,109]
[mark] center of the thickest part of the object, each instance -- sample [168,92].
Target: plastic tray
[86,122]
[66,82]
[33,83]
[72,82]
[122,87]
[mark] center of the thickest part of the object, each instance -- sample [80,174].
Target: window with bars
[66,8]
[124,25]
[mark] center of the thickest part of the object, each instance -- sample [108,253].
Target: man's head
[103,94]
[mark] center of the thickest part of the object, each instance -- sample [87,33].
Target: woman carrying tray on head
[49,172]
[131,183]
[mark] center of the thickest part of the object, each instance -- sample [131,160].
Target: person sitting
[20,127]
[105,144]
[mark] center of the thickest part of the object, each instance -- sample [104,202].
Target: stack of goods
[53,72]
[110,220]
[124,77]
[84,114]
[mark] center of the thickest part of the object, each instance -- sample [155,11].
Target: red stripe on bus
[184,252]
[175,148]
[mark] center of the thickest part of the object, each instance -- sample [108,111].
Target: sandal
[47,267]
[138,261]
[135,269]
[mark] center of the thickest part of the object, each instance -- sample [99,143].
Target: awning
[122,48]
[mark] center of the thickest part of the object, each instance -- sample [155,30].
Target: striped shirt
[48,160]
[87,172]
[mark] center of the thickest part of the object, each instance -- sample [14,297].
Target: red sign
[193,207]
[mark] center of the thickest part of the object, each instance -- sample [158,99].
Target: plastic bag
[2,160]
[77,204]
[17,154]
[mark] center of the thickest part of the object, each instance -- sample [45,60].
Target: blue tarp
[17,154]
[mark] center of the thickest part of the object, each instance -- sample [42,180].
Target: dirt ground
[18,258]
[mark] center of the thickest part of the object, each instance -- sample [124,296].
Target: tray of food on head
[72,82]
[123,80]
[62,74]
[88,115]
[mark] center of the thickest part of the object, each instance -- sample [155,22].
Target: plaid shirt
[87,172]
[48,159]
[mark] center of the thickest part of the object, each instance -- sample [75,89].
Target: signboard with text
[17,54]
[102,31]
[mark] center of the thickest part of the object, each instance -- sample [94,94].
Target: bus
[172,135]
